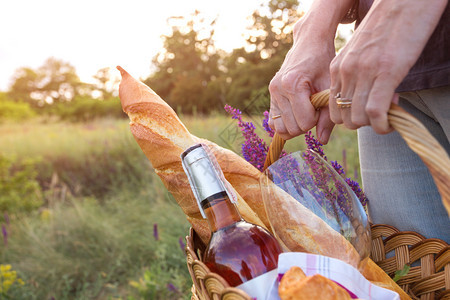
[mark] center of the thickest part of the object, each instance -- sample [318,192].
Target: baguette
[163,137]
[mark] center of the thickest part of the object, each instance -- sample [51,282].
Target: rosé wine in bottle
[238,251]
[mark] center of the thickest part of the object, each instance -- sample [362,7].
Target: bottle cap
[204,174]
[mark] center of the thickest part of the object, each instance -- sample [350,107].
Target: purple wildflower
[314,144]
[358,191]
[5,235]
[182,244]
[155,231]
[172,288]
[338,167]
[254,149]
[320,178]
[266,126]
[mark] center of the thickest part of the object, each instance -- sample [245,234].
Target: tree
[55,81]
[269,38]
[104,88]
[189,64]
[192,74]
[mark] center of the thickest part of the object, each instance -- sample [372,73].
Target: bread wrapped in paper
[163,137]
[295,285]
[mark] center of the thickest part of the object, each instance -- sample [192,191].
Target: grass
[93,237]
[83,250]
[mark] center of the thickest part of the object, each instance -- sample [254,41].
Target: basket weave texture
[428,278]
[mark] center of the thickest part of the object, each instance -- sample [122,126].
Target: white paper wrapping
[265,287]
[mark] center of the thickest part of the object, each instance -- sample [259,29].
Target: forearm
[322,19]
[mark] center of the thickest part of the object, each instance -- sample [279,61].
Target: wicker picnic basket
[429,278]
[429,275]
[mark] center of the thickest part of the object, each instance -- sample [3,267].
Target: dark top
[432,68]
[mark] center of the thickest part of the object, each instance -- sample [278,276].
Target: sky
[94,34]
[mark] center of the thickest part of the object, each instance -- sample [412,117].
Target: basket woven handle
[413,132]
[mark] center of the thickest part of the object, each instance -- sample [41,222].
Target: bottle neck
[220,212]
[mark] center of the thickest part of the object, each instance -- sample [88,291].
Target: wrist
[322,20]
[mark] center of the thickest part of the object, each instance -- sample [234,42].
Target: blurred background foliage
[190,72]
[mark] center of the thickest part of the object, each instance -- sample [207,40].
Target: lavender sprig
[337,167]
[254,149]
[5,235]
[315,145]
[266,126]
[155,232]
[182,244]
[358,191]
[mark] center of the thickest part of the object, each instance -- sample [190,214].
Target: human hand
[305,71]
[377,58]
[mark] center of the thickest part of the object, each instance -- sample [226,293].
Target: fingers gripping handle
[318,100]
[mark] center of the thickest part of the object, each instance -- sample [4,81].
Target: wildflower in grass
[155,231]
[5,235]
[8,278]
[172,288]
[182,244]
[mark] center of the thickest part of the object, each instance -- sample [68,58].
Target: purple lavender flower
[172,288]
[358,191]
[314,144]
[155,231]
[182,244]
[266,126]
[5,235]
[254,149]
[338,167]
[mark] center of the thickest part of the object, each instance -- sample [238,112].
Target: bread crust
[295,285]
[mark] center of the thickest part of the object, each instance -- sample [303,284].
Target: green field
[86,203]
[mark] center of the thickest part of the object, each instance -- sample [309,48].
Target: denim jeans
[399,187]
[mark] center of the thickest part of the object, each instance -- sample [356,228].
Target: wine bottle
[238,251]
